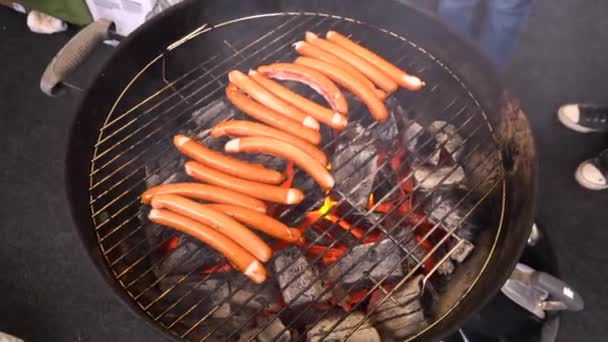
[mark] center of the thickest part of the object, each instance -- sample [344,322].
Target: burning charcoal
[186,257]
[386,131]
[427,178]
[253,296]
[448,134]
[407,243]
[214,290]
[364,333]
[295,275]
[442,208]
[400,315]
[353,167]
[273,332]
[421,144]
[386,252]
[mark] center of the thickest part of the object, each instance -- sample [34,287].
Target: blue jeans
[500,25]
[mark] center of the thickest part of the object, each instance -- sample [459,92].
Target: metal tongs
[540,292]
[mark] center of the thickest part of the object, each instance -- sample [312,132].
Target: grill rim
[76,150]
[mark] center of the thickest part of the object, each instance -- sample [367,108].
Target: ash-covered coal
[366,263]
[298,280]
[455,210]
[364,333]
[244,293]
[215,291]
[420,142]
[186,258]
[401,314]
[429,178]
[354,165]
[448,137]
[266,329]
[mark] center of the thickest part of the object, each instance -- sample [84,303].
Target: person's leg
[500,27]
[459,14]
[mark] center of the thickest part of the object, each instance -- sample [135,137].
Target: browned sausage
[205,192]
[310,50]
[323,114]
[261,222]
[242,128]
[268,99]
[382,80]
[262,191]
[367,96]
[285,151]
[232,166]
[215,219]
[314,79]
[269,116]
[242,260]
[401,77]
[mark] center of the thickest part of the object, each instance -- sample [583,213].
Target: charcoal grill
[161,83]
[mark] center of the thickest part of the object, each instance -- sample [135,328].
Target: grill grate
[134,146]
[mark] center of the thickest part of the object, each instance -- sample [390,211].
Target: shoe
[593,173]
[584,118]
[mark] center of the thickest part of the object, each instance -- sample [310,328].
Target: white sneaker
[584,118]
[593,173]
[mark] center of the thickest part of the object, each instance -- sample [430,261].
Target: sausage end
[256,272]
[309,36]
[294,196]
[413,82]
[180,139]
[232,146]
[310,122]
[338,120]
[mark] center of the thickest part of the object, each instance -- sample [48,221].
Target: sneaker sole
[578,175]
[572,125]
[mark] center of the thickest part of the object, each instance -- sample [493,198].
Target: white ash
[449,208]
[428,178]
[401,314]
[354,166]
[295,274]
[364,333]
[421,143]
[372,260]
[273,331]
[447,135]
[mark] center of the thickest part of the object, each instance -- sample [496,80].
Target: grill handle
[72,55]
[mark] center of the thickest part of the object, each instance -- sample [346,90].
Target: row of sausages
[234,191]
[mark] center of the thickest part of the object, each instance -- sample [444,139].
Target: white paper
[127,15]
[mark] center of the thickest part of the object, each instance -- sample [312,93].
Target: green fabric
[72,11]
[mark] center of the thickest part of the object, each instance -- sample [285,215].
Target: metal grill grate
[134,147]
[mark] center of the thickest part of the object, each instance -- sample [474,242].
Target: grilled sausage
[322,114]
[232,166]
[262,191]
[269,116]
[312,78]
[215,219]
[258,221]
[382,80]
[367,96]
[401,77]
[285,151]
[242,128]
[268,99]
[242,260]
[205,192]
[310,50]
